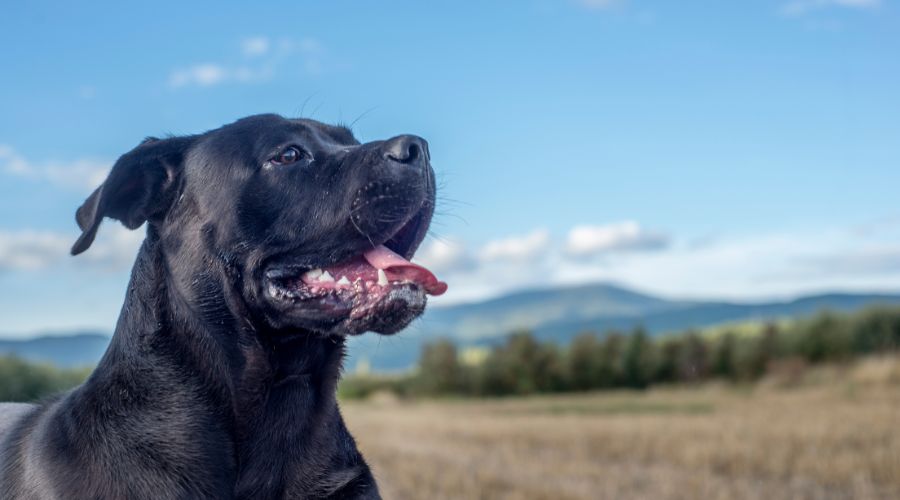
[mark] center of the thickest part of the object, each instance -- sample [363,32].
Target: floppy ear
[138,187]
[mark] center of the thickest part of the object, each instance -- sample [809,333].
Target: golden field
[830,433]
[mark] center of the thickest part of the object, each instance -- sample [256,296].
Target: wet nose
[407,149]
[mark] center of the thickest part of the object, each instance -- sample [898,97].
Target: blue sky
[701,149]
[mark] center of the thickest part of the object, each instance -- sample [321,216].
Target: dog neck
[268,405]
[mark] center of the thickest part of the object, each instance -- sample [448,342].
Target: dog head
[311,229]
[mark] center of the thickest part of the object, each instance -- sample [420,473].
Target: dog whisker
[360,117]
[359,229]
[316,110]
[306,101]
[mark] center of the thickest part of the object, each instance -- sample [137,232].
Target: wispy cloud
[863,261]
[209,74]
[29,251]
[263,58]
[746,267]
[446,256]
[202,75]
[255,46]
[533,258]
[588,241]
[81,174]
[801,7]
[519,248]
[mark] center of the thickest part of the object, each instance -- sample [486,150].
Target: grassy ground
[833,434]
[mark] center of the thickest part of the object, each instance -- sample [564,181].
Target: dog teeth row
[317,275]
[323,276]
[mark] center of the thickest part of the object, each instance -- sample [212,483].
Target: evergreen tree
[669,362]
[439,368]
[609,367]
[637,360]
[584,370]
[723,364]
[694,365]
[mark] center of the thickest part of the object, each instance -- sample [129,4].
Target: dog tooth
[382,278]
[312,274]
[326,277]
[343,281]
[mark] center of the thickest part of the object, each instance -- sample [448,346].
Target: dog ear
[138,188]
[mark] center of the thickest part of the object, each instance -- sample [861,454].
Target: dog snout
[408,150]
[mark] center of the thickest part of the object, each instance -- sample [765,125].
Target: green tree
[522,366]
[876,330]
[760,351]
[609,367]
[694,362]
[723,364]
[24,381]
[669,360]
[825,337]
[637,360]
[439,369]
[584,359]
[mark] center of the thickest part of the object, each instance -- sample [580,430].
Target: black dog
[268,241]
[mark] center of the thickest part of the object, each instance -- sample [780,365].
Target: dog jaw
[378,291]
[375,289]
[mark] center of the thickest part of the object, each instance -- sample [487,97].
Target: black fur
[210,388]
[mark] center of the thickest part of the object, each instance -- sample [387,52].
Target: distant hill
[562,313]
[556,314]
[64,350]
[536,308]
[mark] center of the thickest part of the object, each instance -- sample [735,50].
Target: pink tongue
[398,268]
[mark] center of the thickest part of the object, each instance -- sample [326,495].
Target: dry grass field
[834,434]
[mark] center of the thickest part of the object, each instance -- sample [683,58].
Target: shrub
[24,381]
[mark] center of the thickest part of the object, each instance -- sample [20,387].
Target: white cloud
[754,266]
[30,250]
[519,248]
[585,241]
[445,256]
[267,58]
[255,46]
[12,162]
[762,266]
[533,259]
[867,260]
[208,74]
[801,7]
[81,174]
[114,249]
[201,75]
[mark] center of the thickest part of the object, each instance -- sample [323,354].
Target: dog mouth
[364,291]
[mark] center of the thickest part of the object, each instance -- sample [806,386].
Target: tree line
[24,381]
[522,365]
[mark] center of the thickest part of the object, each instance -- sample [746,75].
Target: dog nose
[407,149]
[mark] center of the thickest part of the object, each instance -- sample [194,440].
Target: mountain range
[556,314]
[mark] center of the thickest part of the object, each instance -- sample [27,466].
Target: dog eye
[288,155]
